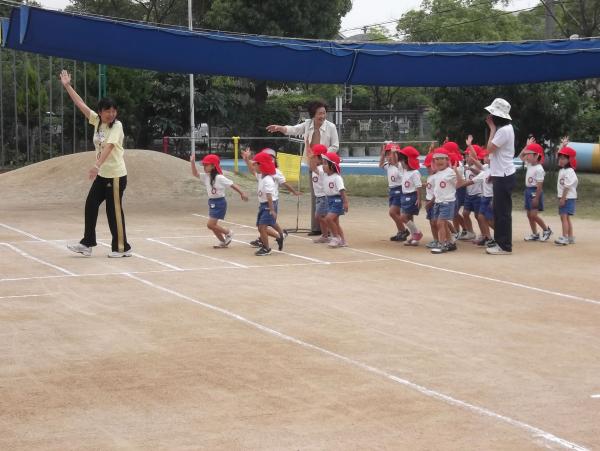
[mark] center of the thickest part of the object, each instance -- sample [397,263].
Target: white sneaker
[497,250]
[80,249]
[532,237]
[228,238]
[467,236]
[334,242]
[119,254]
[546,234]
[220,245]
[321,239]
[571,240]
[561,241]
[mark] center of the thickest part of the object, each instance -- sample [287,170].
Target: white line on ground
[26,296]
[461,273]
[310,259]
[595,396]
[39,260]
[22,232]
[534,431]
[143,257]
[187,251]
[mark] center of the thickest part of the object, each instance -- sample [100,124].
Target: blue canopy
[121,43]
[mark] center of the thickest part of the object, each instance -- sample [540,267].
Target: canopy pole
[192,119]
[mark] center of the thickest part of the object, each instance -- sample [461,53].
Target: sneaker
[533,237]
[497,250]
[481,241]
[571,240]
[461,235]
[432,244]
[546,234]
[400,236]
[256,243]
[343,243]
[279,243]
[321,239]
[417,236]
[220,245]
[263,251]
[80,249]
[228,238]
[114,254]
[561,241]
[451,246]
[467,236]
[491,243]
[285,233]
[441,249]
[411,242]
[334,242]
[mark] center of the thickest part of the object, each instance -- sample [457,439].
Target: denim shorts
[461,194]
[530,195]
[444,210]
[430,213]
[335,205]
[321,206]
[472,202]
[395,196]
[217,208]
[569,208]
[485,208]
[264,215]
[408,206]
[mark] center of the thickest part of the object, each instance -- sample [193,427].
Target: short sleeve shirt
[486,181]
[394,175]
[535,174]
[217,189]
[501,160]
[333,184]
[317,181]
[567,179]
[444,189]
[114,165]
[411,180]
[266,185]
[477,187]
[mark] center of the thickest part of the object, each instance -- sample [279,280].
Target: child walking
[567,191]
[485,215]
[388,161]
[429,199]
[315,161]
[216,183]
[411,194]
[337,201]
[267,209]
[533,157]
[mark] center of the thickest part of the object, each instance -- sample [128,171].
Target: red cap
[265,163]
[451,146]
[413,157]
[390,146]
[569,152]
[334,158]
[214,160]
[269,151]
[536,148]
[428,160]
[480,152]
[318,149]
[441,152]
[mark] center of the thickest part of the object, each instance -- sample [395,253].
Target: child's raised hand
[431,146]
[530,140]
[469,140]
[65,77]
[246,153]
[564,141]
[192,156]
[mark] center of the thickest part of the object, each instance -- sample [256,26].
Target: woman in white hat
[501,146]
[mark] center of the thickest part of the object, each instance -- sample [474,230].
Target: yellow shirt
[114,165]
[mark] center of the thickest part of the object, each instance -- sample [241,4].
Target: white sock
[412,227]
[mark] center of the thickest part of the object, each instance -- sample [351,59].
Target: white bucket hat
[500,108]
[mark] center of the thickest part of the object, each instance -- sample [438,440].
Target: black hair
[500,121]
[213,176]
[403,158]
[568,165]
[314,106]
[106,103]
[332,166]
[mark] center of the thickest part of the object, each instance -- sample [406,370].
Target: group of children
[455,180]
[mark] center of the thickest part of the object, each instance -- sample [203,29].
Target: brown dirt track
[372,347]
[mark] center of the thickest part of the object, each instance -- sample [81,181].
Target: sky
[364,12]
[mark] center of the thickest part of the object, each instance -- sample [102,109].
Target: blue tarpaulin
[143,46]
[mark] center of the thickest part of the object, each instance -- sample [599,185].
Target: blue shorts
[569,208]
[409,206]
[461,194]
[430,213]
[472,203]
[217,208]
[395,196]
[485,208]
[264,215]
[335,205]
[530,195]
[321,206]
[444,210]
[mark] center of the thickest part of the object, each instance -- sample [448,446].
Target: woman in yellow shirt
[109,174]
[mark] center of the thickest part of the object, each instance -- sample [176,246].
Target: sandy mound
[151,175]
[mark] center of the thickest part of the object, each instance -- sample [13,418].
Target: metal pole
[74,108]
[85,129]
[51,117]
[62,114]
[2,155]
[39,105]
[26,67]
[192,90]
[15,97]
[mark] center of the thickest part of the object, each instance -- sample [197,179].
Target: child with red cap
[474,191]
[315,161]
[411,195]
[388,161]
[216,183]
[457,159]
[429,199]
[532,156]
[480,161]
[567,191]
[337,201]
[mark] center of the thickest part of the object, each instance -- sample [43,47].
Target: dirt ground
[375,346]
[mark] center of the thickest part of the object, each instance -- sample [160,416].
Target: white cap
[500,108]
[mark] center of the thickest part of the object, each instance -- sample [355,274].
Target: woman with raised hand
[108,175]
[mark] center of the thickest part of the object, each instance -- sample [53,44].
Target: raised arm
[246,157]
[193,165]
[530,140]
[65,79]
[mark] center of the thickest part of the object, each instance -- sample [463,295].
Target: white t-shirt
[444,189]
[266,185]
[394,175]
[501,160]
[333,184]
[567,179]
[411,180]
[317,181]
[218,189]
[535,174]
[476,188]
[486,181]
[429,186]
